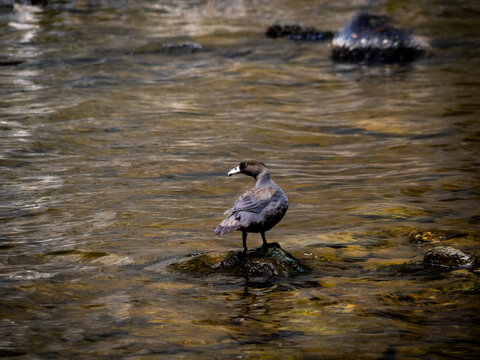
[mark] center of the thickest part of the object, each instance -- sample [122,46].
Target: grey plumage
[257,210]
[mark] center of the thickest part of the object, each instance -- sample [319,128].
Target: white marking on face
[234,171]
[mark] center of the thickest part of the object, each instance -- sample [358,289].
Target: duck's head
[249,167]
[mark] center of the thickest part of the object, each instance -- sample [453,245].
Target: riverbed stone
[432,236]
[270,261]
[186,47]
[298,32]
[367,38]
[168,49]
[447,256]
[371,38]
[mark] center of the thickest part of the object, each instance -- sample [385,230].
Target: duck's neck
[262,179]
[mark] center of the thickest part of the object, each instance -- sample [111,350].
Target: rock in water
[186,47]
[298,32]
[270,261]
[431,236]
[447,256]
[370,38]
[175,49]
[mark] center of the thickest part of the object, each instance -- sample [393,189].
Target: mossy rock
[270,261]
[431,236]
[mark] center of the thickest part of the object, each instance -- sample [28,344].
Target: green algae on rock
[270,261]
[447,256]
[432,236]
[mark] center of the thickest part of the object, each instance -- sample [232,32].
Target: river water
[114,149]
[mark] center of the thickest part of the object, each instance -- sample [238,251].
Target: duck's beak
[234,171]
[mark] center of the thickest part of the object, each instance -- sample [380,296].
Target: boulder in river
[367,38]
[371,38]
[270,261]
[447,256]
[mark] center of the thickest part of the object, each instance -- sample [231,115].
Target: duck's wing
[254,200]
[242,213]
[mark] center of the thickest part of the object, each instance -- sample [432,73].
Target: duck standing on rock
[257,210]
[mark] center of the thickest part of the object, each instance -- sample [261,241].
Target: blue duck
[257,210]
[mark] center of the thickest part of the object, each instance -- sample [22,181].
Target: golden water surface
[113,159]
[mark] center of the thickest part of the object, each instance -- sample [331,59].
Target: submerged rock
[447,256]
[298,32]
[10,62]
[371,38]
[432,236]
[182,47]
[271,261]
[169,49]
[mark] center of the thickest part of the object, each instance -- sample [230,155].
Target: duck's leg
[244,238]
[265,244]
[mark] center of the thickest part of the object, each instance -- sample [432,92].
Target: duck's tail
[228,225]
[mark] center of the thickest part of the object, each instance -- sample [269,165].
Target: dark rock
[40,2]
[371,38]
[168,49]
[298,32]
[271,261]
[181,47]
[432,236]
[366,38]
[447,256]
[12,62]
[6,8]
[27,2]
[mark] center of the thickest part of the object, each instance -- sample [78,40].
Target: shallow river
[114,150]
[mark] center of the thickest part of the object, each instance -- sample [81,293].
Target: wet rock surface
[5,61]
[169,49]
[182,47]
[298,32]
[272,261]
[447,256]
[366,38]
[371,38]
[432,236]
